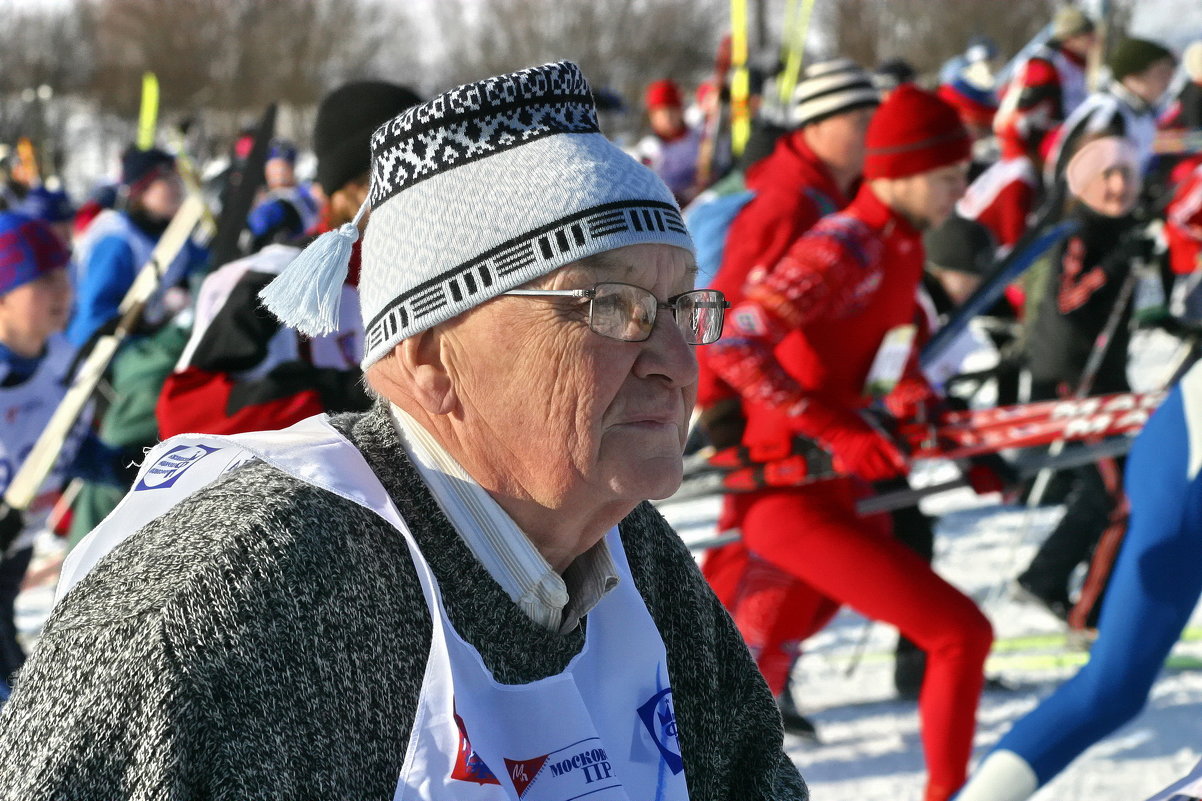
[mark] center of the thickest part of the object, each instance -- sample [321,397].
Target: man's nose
[666,353]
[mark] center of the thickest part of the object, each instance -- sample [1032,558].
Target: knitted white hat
[481,190]
[829,88]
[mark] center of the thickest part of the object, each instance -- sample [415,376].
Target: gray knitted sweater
[266,640]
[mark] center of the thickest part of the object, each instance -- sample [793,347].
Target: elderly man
[459,593]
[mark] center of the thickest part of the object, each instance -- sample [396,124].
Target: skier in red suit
[1047,87]
[1183,229]
[799,350]
[1002,198]
[813,171]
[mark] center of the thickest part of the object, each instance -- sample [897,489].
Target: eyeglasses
[627,312]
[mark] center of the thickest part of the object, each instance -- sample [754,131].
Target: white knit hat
[829,88]
[1096,157]
[479,191]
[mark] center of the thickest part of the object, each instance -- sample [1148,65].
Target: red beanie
[914,131]
[663,93]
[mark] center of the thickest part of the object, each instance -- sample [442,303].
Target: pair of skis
[960,435]
[955,435]
[1026,466]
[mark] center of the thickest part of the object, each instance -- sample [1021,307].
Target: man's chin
[651,479]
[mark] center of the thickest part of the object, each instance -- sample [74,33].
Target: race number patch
[172,465]
[581,769]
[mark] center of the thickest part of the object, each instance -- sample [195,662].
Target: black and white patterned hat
[485,188]
[829,88]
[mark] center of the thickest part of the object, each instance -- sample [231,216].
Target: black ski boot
[793,721]
[1055,600]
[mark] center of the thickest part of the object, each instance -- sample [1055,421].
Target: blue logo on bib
[659,718]
[171,465]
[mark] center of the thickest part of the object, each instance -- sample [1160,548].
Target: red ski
[1053,409]
[962,434]
[957,435]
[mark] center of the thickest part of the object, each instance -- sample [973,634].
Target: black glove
[12,522]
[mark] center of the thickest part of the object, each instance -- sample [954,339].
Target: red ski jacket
[1042,94]
[1183,226]
[809,331]
[793,190]
[1002,198]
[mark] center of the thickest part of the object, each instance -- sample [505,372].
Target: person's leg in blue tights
[1156,584]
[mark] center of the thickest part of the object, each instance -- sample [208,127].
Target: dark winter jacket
[1085,276]
[267,640]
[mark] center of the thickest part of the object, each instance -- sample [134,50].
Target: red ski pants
[814,535]
[774,611]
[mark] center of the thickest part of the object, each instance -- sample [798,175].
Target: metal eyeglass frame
[670,303]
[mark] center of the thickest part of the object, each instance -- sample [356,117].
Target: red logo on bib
[468,766]
[523,772]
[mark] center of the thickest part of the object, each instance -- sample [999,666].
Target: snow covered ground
[870,749]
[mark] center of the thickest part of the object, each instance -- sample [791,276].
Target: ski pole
[63,504]
[861,646]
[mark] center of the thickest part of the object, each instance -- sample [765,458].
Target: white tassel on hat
[307,294]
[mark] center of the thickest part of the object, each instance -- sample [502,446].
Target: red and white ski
[956,435]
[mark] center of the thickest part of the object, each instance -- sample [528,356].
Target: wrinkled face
[572,416]
[1153,82]
[1113,193]
[928,198]
[163,196]
[33,311]
[839,140]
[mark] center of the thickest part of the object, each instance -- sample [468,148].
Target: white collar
[555,602]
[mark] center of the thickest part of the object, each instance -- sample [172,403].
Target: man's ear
[420,358]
